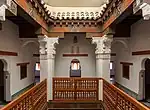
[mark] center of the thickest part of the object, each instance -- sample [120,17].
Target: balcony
[76,93]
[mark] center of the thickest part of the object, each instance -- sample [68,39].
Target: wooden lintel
[75,55]
[93,34]
[126,63]
[113,54]
[145,52]
[8,53]
[56,34]
[20,64]
[36,55]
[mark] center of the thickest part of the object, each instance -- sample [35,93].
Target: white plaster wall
[9,41]
[139,41]
[62,64]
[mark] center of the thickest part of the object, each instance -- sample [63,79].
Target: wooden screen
[33,99]
[115,99]
[75,89]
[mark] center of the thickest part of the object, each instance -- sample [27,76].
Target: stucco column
[47,59]
[103,54]
[50,63]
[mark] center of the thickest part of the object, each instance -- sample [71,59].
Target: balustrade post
[32,101]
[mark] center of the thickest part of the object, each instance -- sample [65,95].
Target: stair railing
[33,99]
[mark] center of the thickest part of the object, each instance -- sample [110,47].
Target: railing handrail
[19,98]
[128,97]
[76,78]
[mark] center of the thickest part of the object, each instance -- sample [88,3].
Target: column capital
[43,42]
[47,46]
[4,4]
[51,50]
[144,5]
[103,44]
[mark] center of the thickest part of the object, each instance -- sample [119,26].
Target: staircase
[75,105]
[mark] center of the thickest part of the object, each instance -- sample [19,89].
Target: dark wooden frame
[126,69]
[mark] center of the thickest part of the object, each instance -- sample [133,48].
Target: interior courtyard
[73,54]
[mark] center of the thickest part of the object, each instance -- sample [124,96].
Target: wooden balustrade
[86,89]
[116,99]
[33,99]
[75,89]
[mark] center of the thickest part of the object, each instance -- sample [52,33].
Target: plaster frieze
[51,43]
[73,13]
[43,42]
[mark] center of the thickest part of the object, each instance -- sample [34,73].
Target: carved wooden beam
[56,34]
[28,8]
[117,12]
[114,9]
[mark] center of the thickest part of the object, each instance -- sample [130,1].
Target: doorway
[1,80]
[147,80]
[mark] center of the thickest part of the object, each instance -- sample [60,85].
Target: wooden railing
[75,89]
[87,89]
[33,99]
[116,99]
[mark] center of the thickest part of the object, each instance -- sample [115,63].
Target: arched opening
[1,81]
[118,48]
[31,51]
[75,68]
[147,80]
